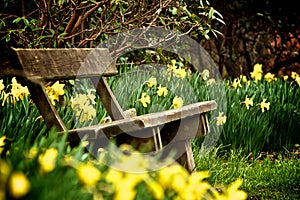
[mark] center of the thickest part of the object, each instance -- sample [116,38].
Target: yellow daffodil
[152,82]
[88,174]
[248,102]
[54,91]
[2,86]
[145,99]
[257,72]
[162,91]
[155,188]
[236,83]
[298,80]
[234,193]
[18,92]
[177,102]
[179,72]
[294,75]
[270,77]
[211,81]
[18,185]
[88,113]
[205,74]
[47,160]
[243,78]
[173,65]
[285,77]
[83,105]
[221,119]
[264,105]
[2,143]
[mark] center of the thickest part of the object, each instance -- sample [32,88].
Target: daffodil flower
[162,91]
[54,91]
[236,83]
[2,86]
[47,160]
[243,78]
[19,185]
[221,119]
[205,74]
[248,102]
[269,77]
[88,174]
[257,72]
[294,75]
[152,82]
[2,143]
[264,105]
[297,79]
[179,73]
[177,102]
[145,99]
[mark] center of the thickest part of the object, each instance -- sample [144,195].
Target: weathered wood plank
[67,63]
[141,126]
[45,107]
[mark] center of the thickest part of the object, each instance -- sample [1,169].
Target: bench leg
[186,159]
[45,107]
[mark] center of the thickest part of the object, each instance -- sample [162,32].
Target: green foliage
[88,23]
[266,177]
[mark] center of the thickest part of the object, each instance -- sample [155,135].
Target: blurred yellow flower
[88,113]
[47,160]
[32,153]
[205,74]
[234,193]
[179,72]
[257,72]
[2,86]
[18,92]
[285,77]
[236,83]
[145,99]
[243,78]
[270,77]
[88,174]
[294,75]
[83,105]
[152,82]
[248,102]
[264,105]
[54,91]
[162,91]
[155,188]
[221,119]
[298,80]
[18,185]
[2,143]
[211,81]
[177,102]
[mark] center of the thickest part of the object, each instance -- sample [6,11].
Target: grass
[264,178]
[246,141]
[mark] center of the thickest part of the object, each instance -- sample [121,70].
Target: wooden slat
[67,63]
[189,115]
[45,107]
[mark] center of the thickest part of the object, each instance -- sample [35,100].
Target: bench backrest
[63,63]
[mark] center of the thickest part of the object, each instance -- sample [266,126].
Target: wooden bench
[174,128]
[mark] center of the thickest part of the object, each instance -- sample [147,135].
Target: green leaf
[7,39]
[17,20]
